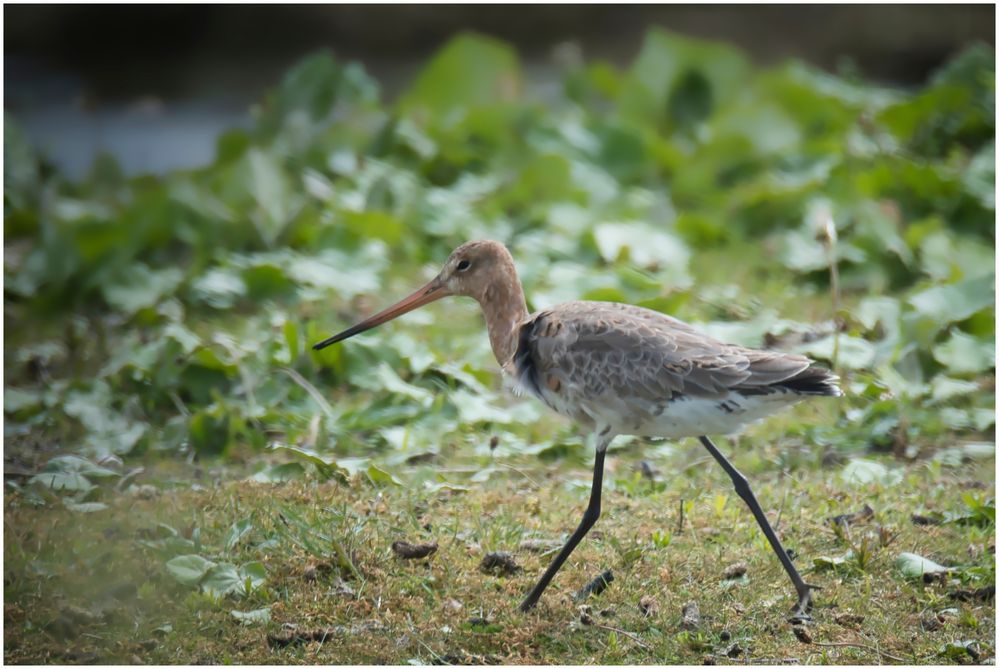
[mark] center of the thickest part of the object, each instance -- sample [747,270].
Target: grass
[94,587]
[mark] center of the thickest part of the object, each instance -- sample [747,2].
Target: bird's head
[473,269]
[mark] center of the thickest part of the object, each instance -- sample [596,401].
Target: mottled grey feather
[596,348]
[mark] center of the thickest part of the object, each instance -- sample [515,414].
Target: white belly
[681,417]
[693,417]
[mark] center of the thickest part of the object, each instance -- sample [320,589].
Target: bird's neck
[505,310]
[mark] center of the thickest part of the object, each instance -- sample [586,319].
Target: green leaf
[224,579]
[19,399]
[916,566]
[327,467]
[271,190]
[63,481]
[853,352]
[73,463]
[253,575]
[337,271]
[881,309]
[384,379]
[70,473]
[21,168]
[644,245]
[219,287]
[980,176]
[760,129]
[690,100]
[311,85]
[958,650]
[944,388]
[679,80]
[954,302]
[825,562]
[288,471]
[237,531]
[291,339]
[221,579]
[189,569]
[255,617]
[209,431]
[137,287]
[469,70]
[981,511]
[379,476]
[964,354]
[863,472]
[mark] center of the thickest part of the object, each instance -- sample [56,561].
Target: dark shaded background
[155,84]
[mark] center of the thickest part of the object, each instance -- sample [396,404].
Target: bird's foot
[800,613]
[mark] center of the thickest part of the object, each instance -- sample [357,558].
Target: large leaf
[864,472]
[849,352]
[255,617]
[271,190]
[956,301]
[221,579]
[209,431]
[138,286]
[63,481]
[470,70]
[237,532]
[963,353]
[676,81]
[644,245]
[916,566]
[189,569]
[311,86]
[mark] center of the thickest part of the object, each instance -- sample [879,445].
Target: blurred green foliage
[176,314]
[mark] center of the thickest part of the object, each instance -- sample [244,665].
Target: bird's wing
[601,347]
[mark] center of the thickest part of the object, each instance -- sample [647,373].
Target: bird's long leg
[742,488]
[589,518]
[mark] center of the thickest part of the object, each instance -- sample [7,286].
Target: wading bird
[621,369]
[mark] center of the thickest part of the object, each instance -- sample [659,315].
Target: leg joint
[741,484]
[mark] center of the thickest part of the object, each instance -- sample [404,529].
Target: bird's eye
[463,265]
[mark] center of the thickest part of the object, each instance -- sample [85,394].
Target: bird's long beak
[431,292]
